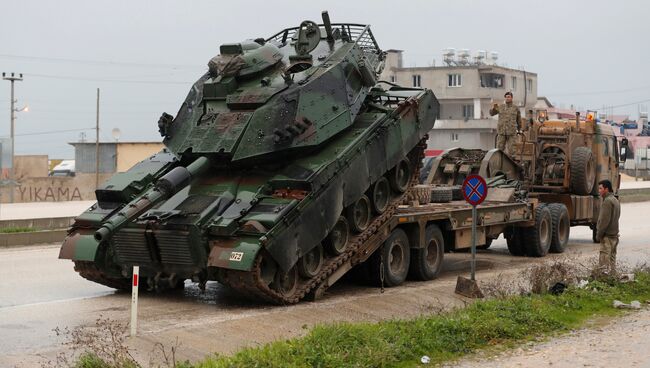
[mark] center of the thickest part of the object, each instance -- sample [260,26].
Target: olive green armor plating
[283,150]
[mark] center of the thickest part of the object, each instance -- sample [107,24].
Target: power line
[599,92]
[98,62]
[53,132]
[622,105]
[108,80]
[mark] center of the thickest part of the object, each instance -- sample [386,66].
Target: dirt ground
[617,342]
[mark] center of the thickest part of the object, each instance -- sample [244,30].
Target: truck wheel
[488,242]
[537,239]
[515,242]
[561,227]
[359,214]
[583,171]
[441,194]
[393,259]
[380,194]
[400,176]
[426,262]
[336,241]
[594,234]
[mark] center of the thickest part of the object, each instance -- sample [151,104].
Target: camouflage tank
[284,157]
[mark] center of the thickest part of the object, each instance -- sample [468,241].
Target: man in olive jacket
[508,125]
[607,227]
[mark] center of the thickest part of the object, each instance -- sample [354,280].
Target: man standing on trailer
[607,227]
[508,125]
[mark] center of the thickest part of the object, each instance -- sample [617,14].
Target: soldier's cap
[508,93]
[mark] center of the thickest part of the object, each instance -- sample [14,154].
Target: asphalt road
[39,292]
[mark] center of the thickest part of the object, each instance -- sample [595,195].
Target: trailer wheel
[537,239]
[359,214]
[400,175]
[393,259]
[426,262]
[561,227]
[515,242]
[583,171]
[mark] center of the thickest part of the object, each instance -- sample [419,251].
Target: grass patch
[504,321]
[444,337]
[17,229]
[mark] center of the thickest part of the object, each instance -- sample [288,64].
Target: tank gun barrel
[168,185]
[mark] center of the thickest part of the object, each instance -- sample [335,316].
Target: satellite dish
[116,133]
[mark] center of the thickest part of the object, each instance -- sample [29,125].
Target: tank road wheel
[515,242]
[359,214]
[537,239]
[400,176]
[336,241]
[286,283]
[583,171]
[310,264]
[426,262]
[380,195]
[392,259]
[561,227]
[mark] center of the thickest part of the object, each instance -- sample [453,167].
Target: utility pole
[12,78]
[97,144]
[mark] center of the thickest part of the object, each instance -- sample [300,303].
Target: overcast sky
[144,55]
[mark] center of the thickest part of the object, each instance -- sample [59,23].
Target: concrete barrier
[56,223]
[32,238]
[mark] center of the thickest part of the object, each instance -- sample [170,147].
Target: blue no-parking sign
[474,190]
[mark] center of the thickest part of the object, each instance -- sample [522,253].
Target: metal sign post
[134,300]
[474,190]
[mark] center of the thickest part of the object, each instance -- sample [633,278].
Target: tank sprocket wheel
[89,271]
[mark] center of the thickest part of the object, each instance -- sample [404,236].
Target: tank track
[89,271]
[251,285]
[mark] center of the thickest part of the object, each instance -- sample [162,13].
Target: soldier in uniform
[509,124]
[607,227]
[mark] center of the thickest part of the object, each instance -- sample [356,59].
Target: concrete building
[113,156]
[466,89]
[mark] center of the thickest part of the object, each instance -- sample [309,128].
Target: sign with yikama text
[474,190]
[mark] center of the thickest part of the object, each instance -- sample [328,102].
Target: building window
[454,80]
[454,137]
[514,83]
[492,80]
[417,81]
[468,111]
[392,79]
[529,85]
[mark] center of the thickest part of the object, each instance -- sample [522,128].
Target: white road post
[134,300]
